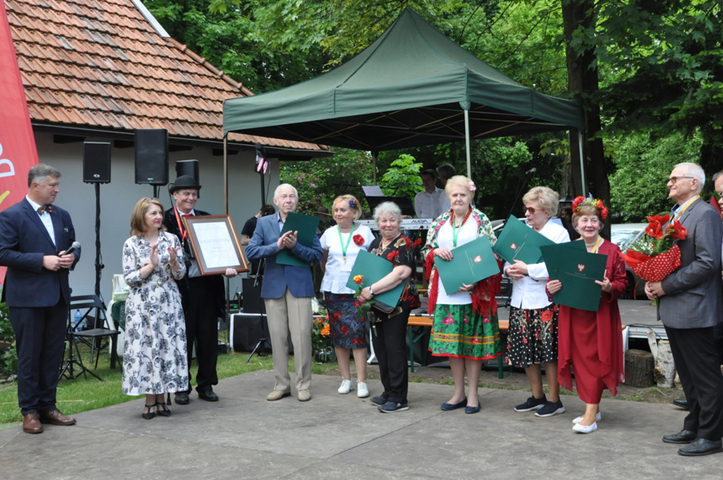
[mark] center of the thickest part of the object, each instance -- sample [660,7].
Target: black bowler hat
[184,182]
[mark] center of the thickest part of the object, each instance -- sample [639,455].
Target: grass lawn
[80,395]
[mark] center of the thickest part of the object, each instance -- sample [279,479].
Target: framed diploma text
[215,244]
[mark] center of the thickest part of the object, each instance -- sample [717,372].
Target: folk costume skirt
[459,332]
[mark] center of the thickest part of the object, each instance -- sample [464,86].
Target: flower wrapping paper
[653,269]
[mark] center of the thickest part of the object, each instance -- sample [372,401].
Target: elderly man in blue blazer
[34,234]
[691,305]
[287,292]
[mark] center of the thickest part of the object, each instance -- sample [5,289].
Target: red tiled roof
[100,63]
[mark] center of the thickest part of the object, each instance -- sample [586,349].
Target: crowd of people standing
[171,307]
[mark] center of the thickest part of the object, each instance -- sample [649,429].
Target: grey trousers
[284,315]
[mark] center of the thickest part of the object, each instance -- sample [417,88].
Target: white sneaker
[345,387]
[583,429]
[361,390]
[598,417]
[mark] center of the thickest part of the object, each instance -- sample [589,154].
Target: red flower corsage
[358,240]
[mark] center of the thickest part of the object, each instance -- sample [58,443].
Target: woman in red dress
[591,343]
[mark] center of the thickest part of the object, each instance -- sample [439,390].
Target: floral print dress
[154,361]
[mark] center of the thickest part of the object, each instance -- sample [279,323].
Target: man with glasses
[690,307]
[287,292]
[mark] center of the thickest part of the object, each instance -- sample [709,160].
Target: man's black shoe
[181,398]
[684,436]
[682,403]
[208,395]
[701,446]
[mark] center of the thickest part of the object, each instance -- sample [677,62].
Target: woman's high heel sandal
[149,411]
[162,409]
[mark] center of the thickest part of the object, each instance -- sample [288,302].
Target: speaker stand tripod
[72,360]
[262,346]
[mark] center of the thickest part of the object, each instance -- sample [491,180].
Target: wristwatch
[371,293]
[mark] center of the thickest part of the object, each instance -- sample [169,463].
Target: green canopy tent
[413,86]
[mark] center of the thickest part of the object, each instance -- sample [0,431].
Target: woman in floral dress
[341,244]
[154,362]
[465,325]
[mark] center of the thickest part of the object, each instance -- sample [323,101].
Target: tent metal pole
[375,156]
[582,164]
[467,141]
[225,175]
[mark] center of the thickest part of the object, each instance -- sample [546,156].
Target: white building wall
[118,198]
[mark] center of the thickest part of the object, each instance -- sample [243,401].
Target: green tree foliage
[319,182]
[644,162]
[227,34]
[666,74]
[402,178]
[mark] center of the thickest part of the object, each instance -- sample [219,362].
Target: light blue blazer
[277,278]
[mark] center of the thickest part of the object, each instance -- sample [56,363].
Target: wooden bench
[428,321]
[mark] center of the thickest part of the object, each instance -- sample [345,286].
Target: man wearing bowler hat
[203,296]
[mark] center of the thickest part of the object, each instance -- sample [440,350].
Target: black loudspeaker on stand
[152,157]
[96,170]
[96,162]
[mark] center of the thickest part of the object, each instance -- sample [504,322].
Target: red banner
[17,142]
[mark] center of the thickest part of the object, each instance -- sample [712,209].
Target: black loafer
[181,398]
[681,403]
[701,446]
[454,406]
[684,436]
[208,395]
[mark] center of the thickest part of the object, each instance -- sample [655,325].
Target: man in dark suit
[690,307]
[287,292]
[204,297]
[34,234]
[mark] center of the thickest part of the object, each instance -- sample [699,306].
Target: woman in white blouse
[532,334]
[341,244]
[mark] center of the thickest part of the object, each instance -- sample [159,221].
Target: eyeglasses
[529,209]
[674,180]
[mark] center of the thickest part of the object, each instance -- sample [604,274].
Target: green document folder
[472,262]
[577,269]
[306,226]
[374,268]
[520,242]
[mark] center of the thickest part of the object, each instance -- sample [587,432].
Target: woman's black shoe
[149,411]
[162,409]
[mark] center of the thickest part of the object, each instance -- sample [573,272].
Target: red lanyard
[180,224]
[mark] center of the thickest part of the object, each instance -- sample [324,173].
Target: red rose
[655,230]
[661,219]
[417,242]
[358,240]
[393,255]
[677,231]
[655,227]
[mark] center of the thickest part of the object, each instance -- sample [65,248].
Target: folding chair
[101,335]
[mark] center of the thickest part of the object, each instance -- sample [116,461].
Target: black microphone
[75,246]
[532,170]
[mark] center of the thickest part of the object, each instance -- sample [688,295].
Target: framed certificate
[215,244]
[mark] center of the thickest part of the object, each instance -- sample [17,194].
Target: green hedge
[8,354]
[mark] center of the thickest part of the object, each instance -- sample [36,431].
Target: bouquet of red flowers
[655,256]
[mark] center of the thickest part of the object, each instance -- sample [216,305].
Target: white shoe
[345,387]
[598,417]
[361,390]
[583,429]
